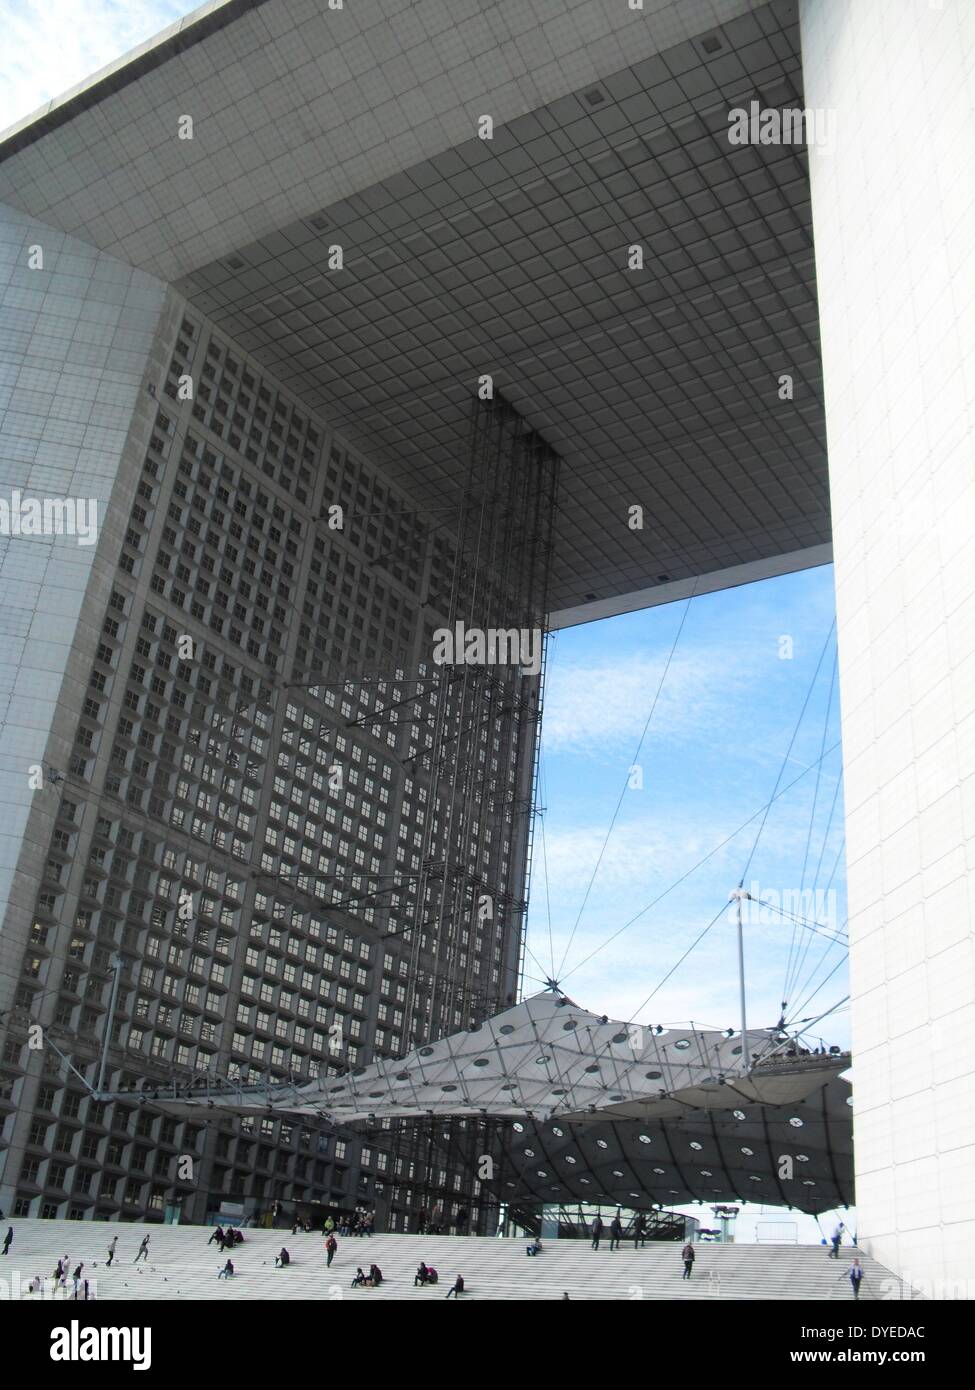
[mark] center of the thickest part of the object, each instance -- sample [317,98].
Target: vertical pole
[117,964]
[741,985]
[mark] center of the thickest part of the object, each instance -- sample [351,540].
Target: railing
[776,1233]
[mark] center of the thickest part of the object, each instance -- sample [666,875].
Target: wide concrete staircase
[183,1265]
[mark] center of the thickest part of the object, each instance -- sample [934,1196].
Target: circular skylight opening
[653,1075]
[749,1153]
[541,1173]
[426,1051]
[568,1025]
[585,1182]
[569,1159]
[518,1127]
[592,1068]
[542,1061]
[660,1171]
[557,1131]
[752,1177]
[617,1173]
[482,1062]
[645,1139]
[706,1173]
[808,1182]
[506,1028]
[449,1087]
[682,1044]
[795,1122]
[802,1158]
[695,1144]
[529,1153]
[402,1076]
[620,1038]
[601,1144]
[738,1114]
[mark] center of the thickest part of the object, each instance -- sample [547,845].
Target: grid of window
[230,830]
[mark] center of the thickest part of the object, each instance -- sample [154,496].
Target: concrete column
[893,196]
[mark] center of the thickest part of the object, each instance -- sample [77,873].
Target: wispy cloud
[52,45]
[601,706]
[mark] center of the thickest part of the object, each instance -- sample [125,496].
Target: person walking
[836,1241]
[597,1232]
[856,1277]
[8,1239]
[112,1246]
[688,1256]
[615,1232]
[143,1251]
[331,1245]
[76,1279]
[421,1222]
[369,1223]
[639,1231]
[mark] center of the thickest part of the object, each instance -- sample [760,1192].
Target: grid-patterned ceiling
[658,387]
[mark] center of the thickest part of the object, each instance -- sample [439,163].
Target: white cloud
[602,706]
[52,45]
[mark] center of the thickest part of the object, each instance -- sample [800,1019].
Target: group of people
[360,1222]
[638,1231]
[226,1239]
[372,1280]
[78,1283]
[426,1274]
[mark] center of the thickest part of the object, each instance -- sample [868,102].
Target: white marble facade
[893,199]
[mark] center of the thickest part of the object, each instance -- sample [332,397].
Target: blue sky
[726,729]
[733,716]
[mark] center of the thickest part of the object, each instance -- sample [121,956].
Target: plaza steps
[182,1265]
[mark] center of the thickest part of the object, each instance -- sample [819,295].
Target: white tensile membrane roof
[545,1057]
